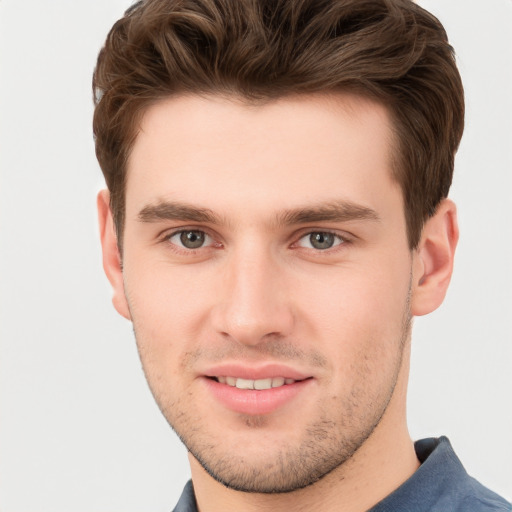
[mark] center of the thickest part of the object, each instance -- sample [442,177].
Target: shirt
[440,484]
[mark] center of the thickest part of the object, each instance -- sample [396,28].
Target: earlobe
[111,256]
[433,259]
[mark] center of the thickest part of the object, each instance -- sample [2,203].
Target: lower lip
[255,402]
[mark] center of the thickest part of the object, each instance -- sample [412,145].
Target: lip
[254,372]
[255,402]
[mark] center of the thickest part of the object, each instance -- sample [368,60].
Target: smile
[258,384]
[256,391]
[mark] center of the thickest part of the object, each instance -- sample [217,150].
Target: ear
[433,259]
[111,256]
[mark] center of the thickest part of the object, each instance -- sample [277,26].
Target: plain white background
[79,431]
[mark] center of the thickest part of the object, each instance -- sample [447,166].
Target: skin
[259,292]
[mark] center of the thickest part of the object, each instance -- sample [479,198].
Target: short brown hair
[390,50]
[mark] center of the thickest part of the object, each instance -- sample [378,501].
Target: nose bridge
[254,303]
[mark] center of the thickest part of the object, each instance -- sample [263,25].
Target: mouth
[262,394]
[257,384]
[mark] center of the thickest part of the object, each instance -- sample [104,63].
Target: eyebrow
[333,211]
[170,210]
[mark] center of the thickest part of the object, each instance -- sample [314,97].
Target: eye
[190,239]
[320,240]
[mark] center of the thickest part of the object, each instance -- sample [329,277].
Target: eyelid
[166,235]
[345,239]
[168,232]
[207,238]
[343,235]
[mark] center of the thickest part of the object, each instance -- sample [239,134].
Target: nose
[254,303]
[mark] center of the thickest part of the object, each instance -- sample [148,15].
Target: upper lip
[255,371]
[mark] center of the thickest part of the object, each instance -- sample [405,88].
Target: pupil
[192,239]
[321,240]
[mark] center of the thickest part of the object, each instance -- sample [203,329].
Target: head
[276,175]
[391,51]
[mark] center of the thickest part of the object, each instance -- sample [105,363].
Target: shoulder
[441,484]
[460,492]
[479,498]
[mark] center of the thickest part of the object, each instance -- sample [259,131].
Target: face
[267,274]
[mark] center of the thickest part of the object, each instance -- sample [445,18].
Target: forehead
[221,152]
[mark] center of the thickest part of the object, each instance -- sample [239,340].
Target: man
[276,214]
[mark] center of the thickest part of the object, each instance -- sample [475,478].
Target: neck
[384,461]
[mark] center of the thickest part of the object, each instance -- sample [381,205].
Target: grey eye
[320,240]
[189,239]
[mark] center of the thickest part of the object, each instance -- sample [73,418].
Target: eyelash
[166,238]
[343,239]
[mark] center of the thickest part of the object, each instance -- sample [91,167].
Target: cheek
[167,308]
[361,299]
[165,297]
[359,324]
[159,315]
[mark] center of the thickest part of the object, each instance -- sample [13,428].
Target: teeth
[263,384]
[259,384]
[278,382]
[244,384]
